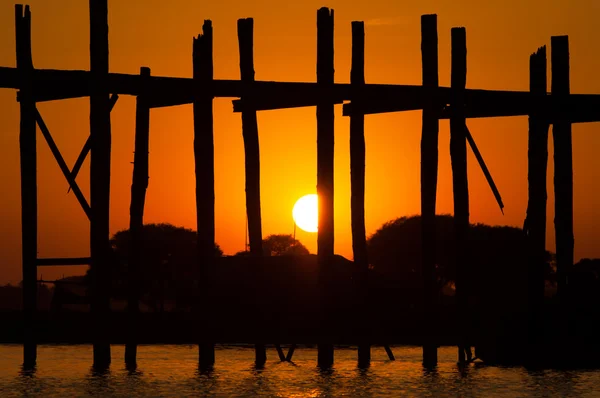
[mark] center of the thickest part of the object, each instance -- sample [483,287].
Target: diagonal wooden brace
[88,145]
[280,352]
[62,164]
[290,353]
[389,352]
[486,172]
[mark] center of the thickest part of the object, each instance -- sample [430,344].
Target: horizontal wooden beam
[44,262]
[377,98]
[268,104]
[166,91]
[62,282]
[578,108]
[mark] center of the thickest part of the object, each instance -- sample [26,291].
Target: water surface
[172,371]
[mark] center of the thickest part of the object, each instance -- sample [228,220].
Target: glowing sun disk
[306,213]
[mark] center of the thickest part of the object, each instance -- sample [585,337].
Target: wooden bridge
[559,108]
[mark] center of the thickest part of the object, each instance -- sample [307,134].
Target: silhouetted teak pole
[429,170]
[458,155]
[27,146]
[136,219]
[535,223]
[325,142]
[357,187]
[252,160]
[563,163]
[100,136]
[205,186]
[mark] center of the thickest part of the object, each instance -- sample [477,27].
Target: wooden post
[205,181]
[535,223]
[100,134]
[458,155]
[325,141]
[429,170]
[139,185]
[563,164]
[252,157]
[27,144]
[357,186]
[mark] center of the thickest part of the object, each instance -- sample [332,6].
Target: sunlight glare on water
[172,371]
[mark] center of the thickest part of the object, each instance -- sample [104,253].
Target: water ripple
[172,371]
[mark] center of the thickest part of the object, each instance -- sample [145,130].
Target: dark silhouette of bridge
[558,108]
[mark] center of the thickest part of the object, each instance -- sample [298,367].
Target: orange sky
[158,34]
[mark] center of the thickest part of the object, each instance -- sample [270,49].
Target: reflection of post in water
[27,370]
[98,381]
[364,375]
[26,381]
[135,373]
[327,381]
[206,382]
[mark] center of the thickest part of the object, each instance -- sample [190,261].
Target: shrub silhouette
[496,269]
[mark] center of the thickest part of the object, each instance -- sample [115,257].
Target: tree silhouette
[497,257]
[168,262]
[279,245]
[283,245]
[584,282]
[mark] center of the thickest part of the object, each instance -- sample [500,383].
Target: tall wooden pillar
[205,183]
[139,186]
[252,157]
[27,145]
[458,155]
[535,223]
[357,186]
[429,172]
[100,136]
[563,162]
[325,142]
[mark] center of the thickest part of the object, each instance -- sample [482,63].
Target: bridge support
[458,155]
[136,219]
[357,196]
[325,142]
[252,161]
[535,223]
[100,133]
[563,163]
[28,159]
[205,186]
[429,170]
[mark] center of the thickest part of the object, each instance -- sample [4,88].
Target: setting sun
[306,213]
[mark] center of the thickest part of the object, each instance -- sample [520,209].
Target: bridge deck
[51,84]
